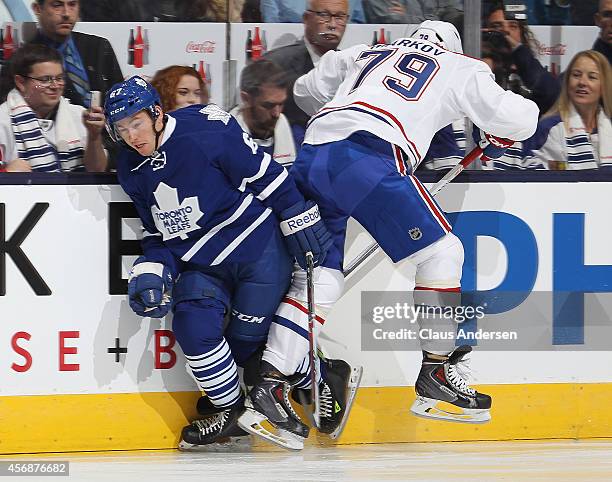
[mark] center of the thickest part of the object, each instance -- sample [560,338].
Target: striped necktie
[76,72]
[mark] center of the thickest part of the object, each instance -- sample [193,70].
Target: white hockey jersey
[404,93]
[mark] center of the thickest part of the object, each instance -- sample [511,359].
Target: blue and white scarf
[33,147]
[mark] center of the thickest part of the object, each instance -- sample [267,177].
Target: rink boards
[81,372]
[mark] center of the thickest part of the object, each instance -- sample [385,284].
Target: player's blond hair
[562,107]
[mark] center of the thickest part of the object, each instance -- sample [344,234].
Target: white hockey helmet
[442,33]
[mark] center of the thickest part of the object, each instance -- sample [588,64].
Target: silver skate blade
[231,444]
[353,385]
[428,408]
[250,421]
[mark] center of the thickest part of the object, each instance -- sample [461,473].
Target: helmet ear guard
[128,98]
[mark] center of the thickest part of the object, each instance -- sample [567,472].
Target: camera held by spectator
[507,45]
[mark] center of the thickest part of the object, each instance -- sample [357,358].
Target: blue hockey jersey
[208,195]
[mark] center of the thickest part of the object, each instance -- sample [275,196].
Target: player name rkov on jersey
[425,47]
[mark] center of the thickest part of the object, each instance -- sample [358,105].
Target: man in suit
[89,61]
[603,19]
[324,25]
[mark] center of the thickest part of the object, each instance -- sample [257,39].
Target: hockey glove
[150,288]
[304,231]
[493,147]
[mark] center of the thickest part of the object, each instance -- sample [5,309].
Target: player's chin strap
[158,133]
[450,175]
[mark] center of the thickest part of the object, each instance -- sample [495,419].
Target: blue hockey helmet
[128,98]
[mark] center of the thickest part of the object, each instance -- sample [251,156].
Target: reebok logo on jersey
[173,219]
[301,221]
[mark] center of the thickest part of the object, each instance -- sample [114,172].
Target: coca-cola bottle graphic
[257,47]
[248,48]
[381,39]
[138,48]
[375,38]
[208,78]
[202,71]
[146,47]
[8,46]
[264,42]
[131,48]
[554,69]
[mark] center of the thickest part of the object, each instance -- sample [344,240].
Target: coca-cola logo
[558,49]
[205,47]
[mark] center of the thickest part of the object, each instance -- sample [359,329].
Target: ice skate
[443,393]
[219,429]
[337,393]
[269,401]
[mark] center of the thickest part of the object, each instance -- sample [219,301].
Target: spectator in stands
[40,130]
[582,12]
[447,147]
[411,11]
[324,25]
[603,19]
[549,12]
[162,10]
[526,76]
[89,61]
[263,92]
[16,11]
[179,86]
[577,133]
[292,11]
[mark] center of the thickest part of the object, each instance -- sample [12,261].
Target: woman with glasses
[39,129]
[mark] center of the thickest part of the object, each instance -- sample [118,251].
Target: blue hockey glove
[304,231]
[150,288]
[493,147]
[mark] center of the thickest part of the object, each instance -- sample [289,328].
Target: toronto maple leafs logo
[214,112]
[171,218]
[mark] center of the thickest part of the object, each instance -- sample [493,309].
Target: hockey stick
[312,341]
[448,177]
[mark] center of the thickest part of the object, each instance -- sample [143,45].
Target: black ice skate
[443,381]
[337,392]
[269,401]
[219,429]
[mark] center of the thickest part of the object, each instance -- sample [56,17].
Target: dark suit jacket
[98,59]
[295,60]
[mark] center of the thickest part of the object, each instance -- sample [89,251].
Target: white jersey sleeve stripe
[265,163]
[204,239]
[234,244]
[273,185]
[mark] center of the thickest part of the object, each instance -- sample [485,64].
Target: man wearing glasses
[324,25]
[89,61]
[42,131]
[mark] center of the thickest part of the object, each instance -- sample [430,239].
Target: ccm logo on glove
[301,221]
